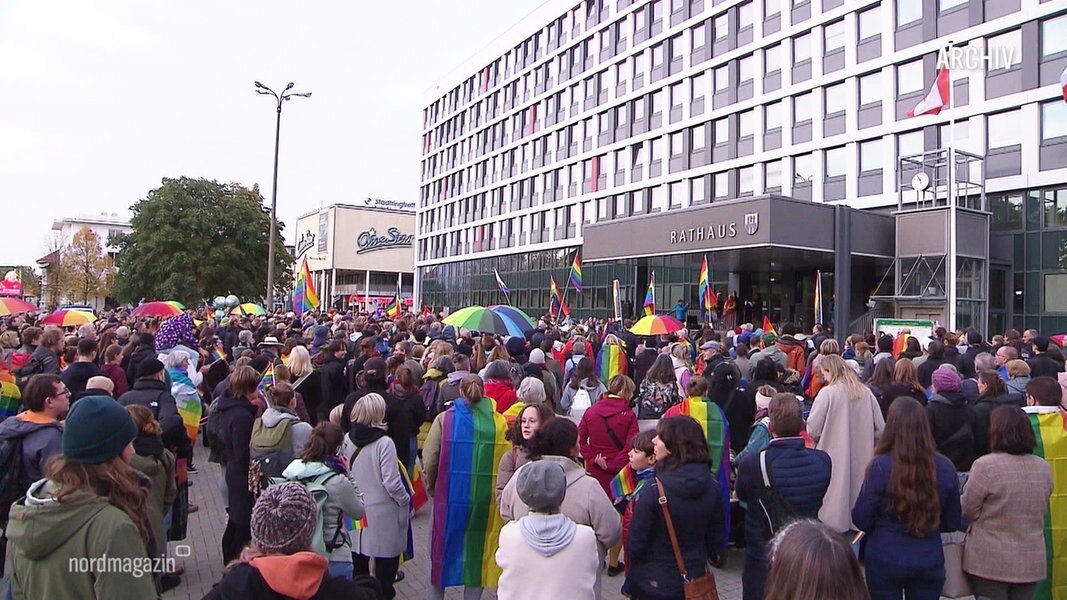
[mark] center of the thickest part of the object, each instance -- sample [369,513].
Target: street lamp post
[280,99]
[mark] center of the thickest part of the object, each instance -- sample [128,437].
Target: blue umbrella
[516,321]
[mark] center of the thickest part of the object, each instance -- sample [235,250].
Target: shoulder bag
[701,588]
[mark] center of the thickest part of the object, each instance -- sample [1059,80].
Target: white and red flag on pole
[1063,83]
[937,99]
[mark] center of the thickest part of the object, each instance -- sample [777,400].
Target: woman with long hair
[845,421]
[405,391]
[881,377]
[462,482]
[680,360]
[527,423]
[905,383]
[1006,500]
[909,496]
[157,464]
[308,383]
[91,504]
[809,561]
[658,390]
[320,463]
[583,377]
[373,464]
[694,502]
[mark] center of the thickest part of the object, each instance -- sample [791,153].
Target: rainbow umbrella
[478,318]
[14,306]
[517,322]
[176,304]
[68,318]
[249,308]
[156,309]
[656,325]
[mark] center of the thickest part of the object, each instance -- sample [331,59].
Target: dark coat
[982,409]
[332,380]
[953,424]
[800,475]
[46,358]
[133,362]
[1042,365]
[155,396]
[311,389]
[642,363]
[926,370]
[237,416]
[41,440]
[968,358]
[77,374]
[695,505]
[402,418]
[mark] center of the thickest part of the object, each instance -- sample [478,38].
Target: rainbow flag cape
[187,400]
[467,522]
[1050,431]
[267,378]
[305,297]
[10,395]
[768,327]
[649,305]
[717,433]
[576,273]
[610,361]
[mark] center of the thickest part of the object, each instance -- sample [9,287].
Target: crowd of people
[554,462]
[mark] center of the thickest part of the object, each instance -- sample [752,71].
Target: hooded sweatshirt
[299,430]
[301,576]
[51,542]
[567,399]
[547,556]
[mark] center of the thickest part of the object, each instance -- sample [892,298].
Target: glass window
[771,8]
[746,69]
[1056,284]
[909,11]
[834,99]
[1005,51]
[746,180]
[677,49]
[870,155]
[871,88]
[721,184]
[722,131]
[677,95]
[620,116]
[772,175]
[1053,119]
[834,36]
[658,149]
[699,35]
[910,78]
[1007,212]
[835,162]
[801,48]
[772,116]
[910,144]
[677,143]
[1003,129]
[802,108]
[698,193]
[870,22]
[700,86]
[1055,202]
[1054,36]
[722,26]
[744,15]
[746,124]
[639,108]
[679,194]
[944,5]
[802,171]
[772,59]
[699,139]
[659,198]
[722,79]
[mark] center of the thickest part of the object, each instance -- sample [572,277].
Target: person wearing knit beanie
[946,380]
[97,430]
[283,519]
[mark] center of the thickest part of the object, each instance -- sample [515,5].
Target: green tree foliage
[194,239]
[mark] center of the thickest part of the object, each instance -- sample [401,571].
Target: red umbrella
[14,306]
[156,309]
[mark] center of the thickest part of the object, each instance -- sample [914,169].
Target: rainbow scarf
[187,399]
[10,396]
[1050,431]
[610,361]
[717,433]
[467,522]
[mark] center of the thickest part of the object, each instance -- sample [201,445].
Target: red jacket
[502,393]
[608,413]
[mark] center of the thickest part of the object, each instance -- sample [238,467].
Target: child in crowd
[627,483]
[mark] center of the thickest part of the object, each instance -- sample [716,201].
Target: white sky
[101,100]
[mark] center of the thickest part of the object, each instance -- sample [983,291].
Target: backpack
[213,427]
[581,402]
[316,486]
[269,451]
[13,483]
[776,510]
[23,373]
[430,392]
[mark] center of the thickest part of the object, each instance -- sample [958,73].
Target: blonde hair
[369,410]
[680,351]
[335,414]
[830,346]
[299,362]
[143,419]
[840,374]
[1017,368]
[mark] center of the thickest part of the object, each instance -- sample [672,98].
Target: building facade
[104,227]
[610,111]
[355,252]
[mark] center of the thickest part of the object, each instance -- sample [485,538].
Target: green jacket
[160,470]
[53,546]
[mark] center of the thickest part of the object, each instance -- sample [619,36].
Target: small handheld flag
[768,327]
[500,283]
[576,273]
[649,305]
[267,379]
[217,354]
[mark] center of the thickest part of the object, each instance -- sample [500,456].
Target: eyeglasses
[61,394]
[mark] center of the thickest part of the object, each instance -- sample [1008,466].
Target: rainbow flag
[624,484]
[818,298]
[10,395]
[649,305]
[267,378]
[500,283]
[217,354]
[576,273]
[1050,431]
[768,327]
[351,524]
[187,400]
[392,310]
[900,343]
[702,285]
[610,361]
[467,522]
[556,303]
[305,297]
[717,433]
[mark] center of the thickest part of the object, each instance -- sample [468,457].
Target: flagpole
[952,234]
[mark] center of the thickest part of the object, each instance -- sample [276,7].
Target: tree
[194,239]
[85,267]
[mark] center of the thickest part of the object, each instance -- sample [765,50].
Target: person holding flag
[395,306]
[649,305]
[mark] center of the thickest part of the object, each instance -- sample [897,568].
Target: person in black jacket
[45,358]
[145,348]
[975,346]
[643,359]
[936,358]
[952,420]
[400,422]
[78,373]
[151,391]
[1043,365]
[799,476]
[237,417]
[332,377]
[694,503]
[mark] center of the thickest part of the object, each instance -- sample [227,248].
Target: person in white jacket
[545,554]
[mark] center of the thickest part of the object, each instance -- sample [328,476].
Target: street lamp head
[302,94]
[264,93]
[290,86]
[260,85]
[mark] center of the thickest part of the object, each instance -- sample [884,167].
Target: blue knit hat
[97,430]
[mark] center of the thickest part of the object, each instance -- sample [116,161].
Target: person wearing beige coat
[845,422]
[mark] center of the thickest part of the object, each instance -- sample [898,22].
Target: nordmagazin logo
[973,58]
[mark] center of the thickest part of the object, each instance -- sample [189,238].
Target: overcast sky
[101,100]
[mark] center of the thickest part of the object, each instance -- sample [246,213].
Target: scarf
[180,384]
[148,445]
[547,534]
[362,435]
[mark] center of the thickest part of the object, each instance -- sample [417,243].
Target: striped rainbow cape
[1050,431]
[466,521]
[10,396]
[610,361]
[717,433]
[187,400]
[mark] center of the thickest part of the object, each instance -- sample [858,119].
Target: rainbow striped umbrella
[157,309]
[14,306]
[517,322]
[249,308]
[68,318]
[478,318]
[656,325]
[176,304]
